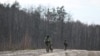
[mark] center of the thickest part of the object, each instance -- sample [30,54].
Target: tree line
[27,28]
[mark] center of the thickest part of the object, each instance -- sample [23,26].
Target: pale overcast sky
[87,11]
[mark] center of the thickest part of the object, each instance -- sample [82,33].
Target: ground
[57,52]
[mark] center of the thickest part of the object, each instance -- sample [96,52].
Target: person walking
[48,43]
[65,45]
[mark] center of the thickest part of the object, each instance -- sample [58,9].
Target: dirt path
[26,52]
[56,52]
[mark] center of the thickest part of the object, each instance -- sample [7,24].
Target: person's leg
[65,47]
[51,48]
[47,47]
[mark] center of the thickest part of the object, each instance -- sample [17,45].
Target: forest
[22,28]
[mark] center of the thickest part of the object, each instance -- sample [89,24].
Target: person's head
[65,40]
[47,36]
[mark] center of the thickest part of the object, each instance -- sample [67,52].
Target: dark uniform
[48,44]
[65,45]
